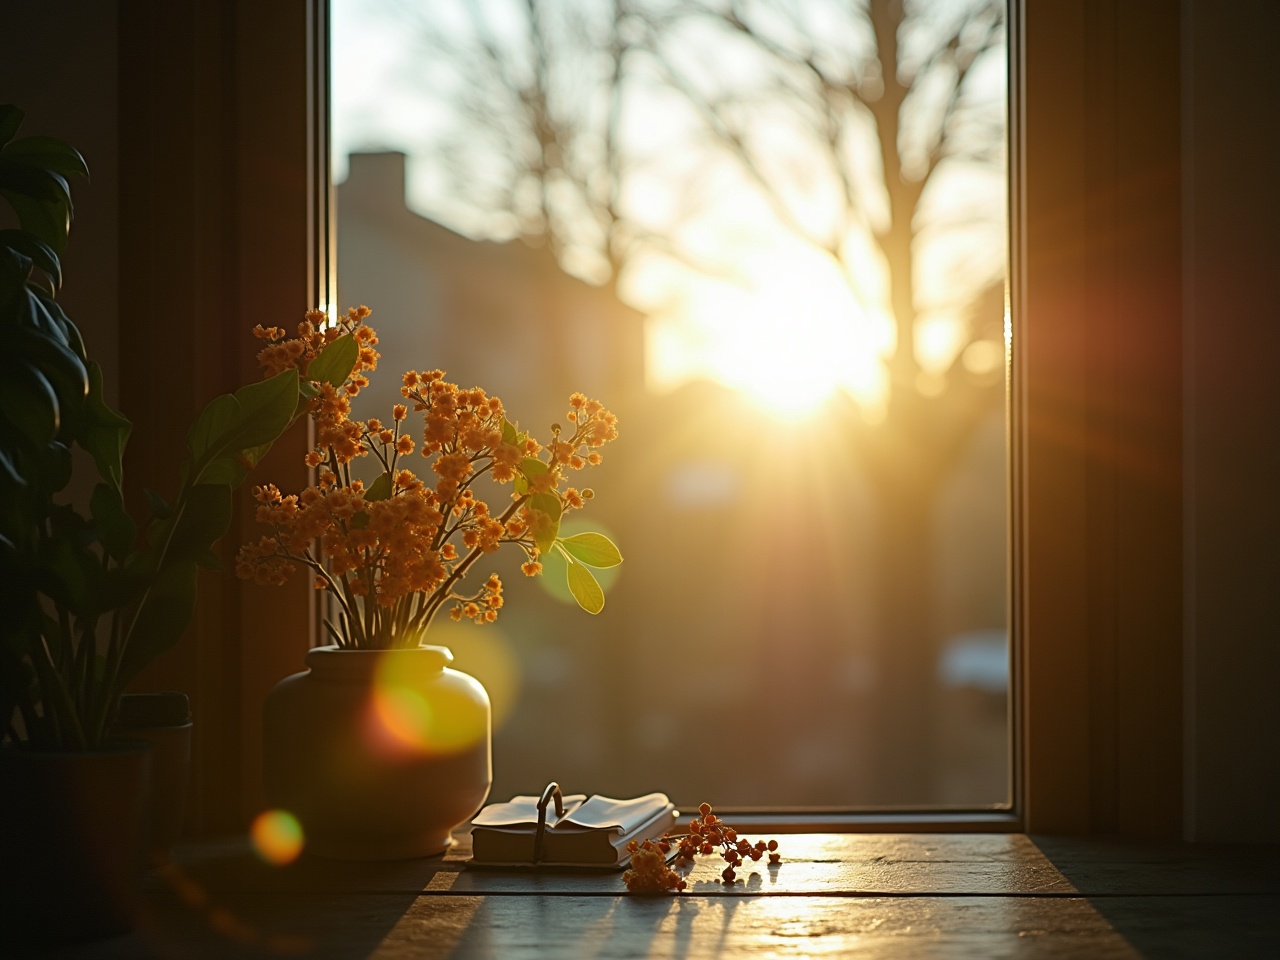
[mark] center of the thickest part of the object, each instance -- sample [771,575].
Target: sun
[788,338]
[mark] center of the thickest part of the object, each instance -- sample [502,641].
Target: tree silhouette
[900,78]
[851,121]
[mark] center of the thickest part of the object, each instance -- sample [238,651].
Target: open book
[591,832]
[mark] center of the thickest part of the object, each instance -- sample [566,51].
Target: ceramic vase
[379,754]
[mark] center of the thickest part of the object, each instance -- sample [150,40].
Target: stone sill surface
[880,895]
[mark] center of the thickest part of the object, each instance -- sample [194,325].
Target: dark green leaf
[55,466]
[10,121]
[335,362]
[41,254]
[380,489]
[104,432]
[251,418]
[55,322]
[593,549]
[218,417]
[9,470]
[48,220]
[19,175]
[209,560]
[201,516]
[63,573]
[157,504]
[232,470]
[585,589]
[116,526]
[544,534]
[29,403]
[163,616]
[109,590]
[49,154]
[65,371]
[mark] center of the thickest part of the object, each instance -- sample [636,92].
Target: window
[810,495]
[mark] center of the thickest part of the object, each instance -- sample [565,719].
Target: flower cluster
[395,552]
[649,873]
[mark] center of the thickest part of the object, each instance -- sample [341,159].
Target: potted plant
[89,597]
[381,749]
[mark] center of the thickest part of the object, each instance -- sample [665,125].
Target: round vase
[378,753]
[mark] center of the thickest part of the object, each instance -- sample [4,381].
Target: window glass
[770,236]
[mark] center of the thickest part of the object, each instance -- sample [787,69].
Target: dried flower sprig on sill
[708,834]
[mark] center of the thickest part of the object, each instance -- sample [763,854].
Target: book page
[523,812]
[605,813]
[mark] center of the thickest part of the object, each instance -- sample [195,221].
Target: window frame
[1094,568]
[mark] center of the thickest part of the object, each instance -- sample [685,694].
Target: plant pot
[164,721]
[378,753]
[73,840]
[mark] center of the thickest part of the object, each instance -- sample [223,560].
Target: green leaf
[509,432]
[530,467]
[162,618]
[29,403]
[48,220]
[380,489]
[10,121]
[65,371]
[235,423]
[593,549]
[220,415]
[231,471]
[109,590]
[157,504]
[114,523]
[29,179]
[585,589]
[55,466]
[209,560]
[48,153]
[202,515]
[104,432]
[335,362]
[64,575]
[545,535]
[40,253]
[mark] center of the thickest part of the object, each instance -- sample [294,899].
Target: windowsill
[891,894]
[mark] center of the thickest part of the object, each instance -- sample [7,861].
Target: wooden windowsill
[891,894]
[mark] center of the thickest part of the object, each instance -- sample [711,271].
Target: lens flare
[404,715]
[277,837]
[403,720]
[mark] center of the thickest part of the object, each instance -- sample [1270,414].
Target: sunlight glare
[793,337]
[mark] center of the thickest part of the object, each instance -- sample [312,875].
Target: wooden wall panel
[215,235]
[1098,422]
